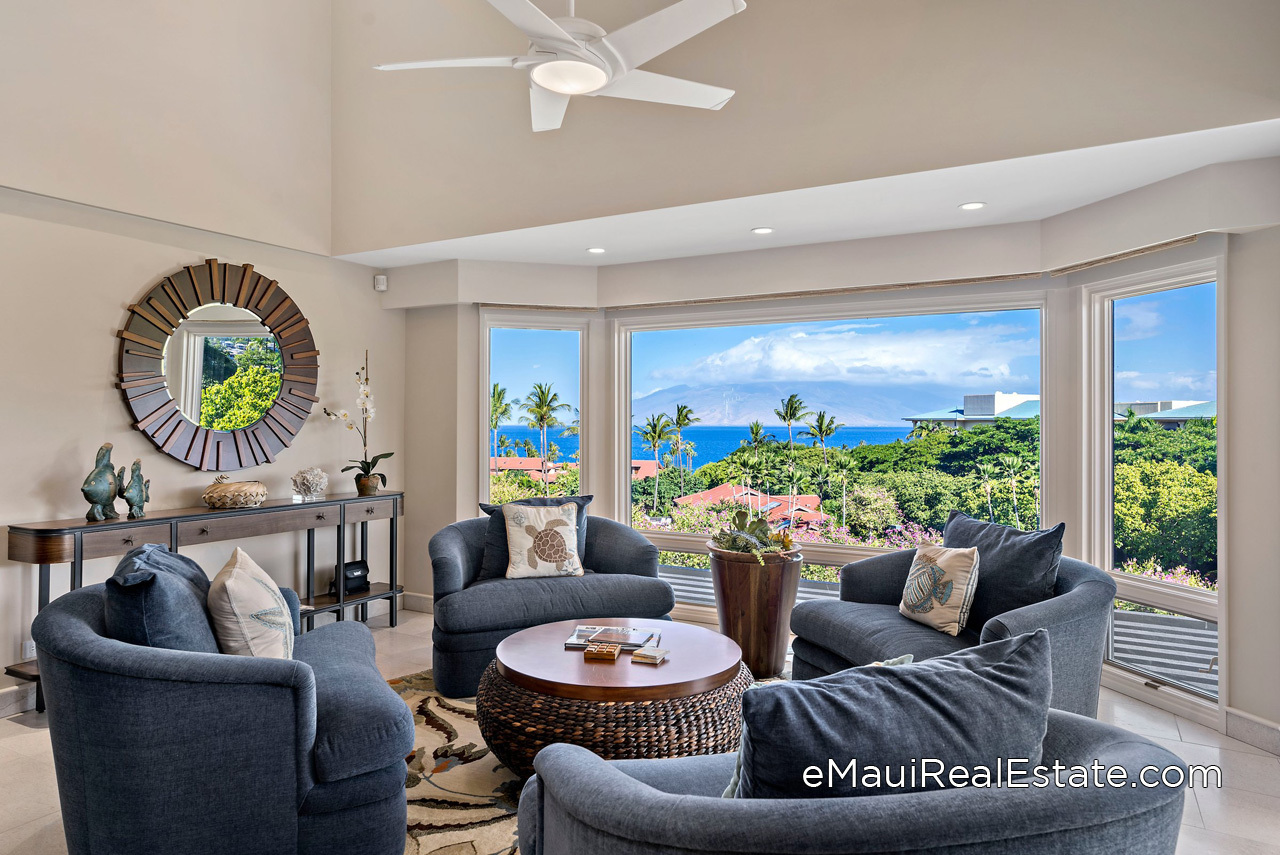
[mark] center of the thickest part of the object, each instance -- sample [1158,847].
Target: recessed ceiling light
[595,250]
[972,206]
[762,230]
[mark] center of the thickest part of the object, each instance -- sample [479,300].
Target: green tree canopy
[240,400]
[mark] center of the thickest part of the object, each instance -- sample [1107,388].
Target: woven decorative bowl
[234,494]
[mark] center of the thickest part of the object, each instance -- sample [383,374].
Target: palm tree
[500,410]
[574,428]
[988,472]
[505,445]
[690,452]
[791,411]
[684,417]
[757,439]
[1013,464]
[843,469]
[541,406]
[821,429]
[656,430]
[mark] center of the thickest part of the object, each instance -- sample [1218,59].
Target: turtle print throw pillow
[940,587]
[542,541]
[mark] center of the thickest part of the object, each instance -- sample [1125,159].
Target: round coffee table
[536,693]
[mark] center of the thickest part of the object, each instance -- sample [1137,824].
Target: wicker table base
[517,723]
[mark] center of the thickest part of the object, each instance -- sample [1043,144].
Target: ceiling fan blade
[647,86]
[464,62]
[547,108]
[639,42]
[534,23]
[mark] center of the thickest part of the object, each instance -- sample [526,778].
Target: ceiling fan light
[569,76]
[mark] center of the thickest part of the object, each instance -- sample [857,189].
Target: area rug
[462,801]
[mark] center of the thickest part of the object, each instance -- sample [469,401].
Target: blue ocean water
[711,442]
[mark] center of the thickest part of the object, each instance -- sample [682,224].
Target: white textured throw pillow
[940,587]
[250,615]
[542,541]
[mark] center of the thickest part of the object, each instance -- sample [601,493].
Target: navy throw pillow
[156,598]
[493,565]
[1019,568]
[881,731]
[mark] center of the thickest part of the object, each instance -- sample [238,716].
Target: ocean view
[713,442]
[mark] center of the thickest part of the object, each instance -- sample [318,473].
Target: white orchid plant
[365,408]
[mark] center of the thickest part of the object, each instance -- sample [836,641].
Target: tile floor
[1242,818]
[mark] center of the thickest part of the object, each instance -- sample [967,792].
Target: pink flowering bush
[1179,575]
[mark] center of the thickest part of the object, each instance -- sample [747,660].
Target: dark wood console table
[73,541]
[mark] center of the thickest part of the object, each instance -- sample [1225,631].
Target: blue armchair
[864,626]
[472,617]
[162,750]
[578,803]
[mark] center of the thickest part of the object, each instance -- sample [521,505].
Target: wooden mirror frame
[152,321]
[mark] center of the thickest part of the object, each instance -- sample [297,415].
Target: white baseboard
[417,602]
[1172,700]
[17,699]
[1255,730]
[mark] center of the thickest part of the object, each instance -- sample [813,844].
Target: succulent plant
[751,533]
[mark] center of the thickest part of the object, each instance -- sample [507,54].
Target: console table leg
[39,697]
[43,596]
[395,531]
[339,573]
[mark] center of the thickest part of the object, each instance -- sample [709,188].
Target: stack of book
[628,638]
[649,656]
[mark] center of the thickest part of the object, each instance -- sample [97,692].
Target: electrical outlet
[28,650]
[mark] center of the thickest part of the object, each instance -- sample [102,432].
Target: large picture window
[857,432]
[534,436]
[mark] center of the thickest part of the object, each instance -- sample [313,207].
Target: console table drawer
[376,509]
[101,544]
[216,529]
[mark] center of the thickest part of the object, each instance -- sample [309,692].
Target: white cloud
[1135,321]
[1166,385]
[978,357]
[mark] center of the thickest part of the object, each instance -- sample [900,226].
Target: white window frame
[1097,431]
[186,348]
[534,319]
[1028,294]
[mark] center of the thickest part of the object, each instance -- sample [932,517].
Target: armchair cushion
[156,598]
[518,603]
[496,555]
[362,725]
[1018,567]
[251,617]
[869,632]
[974,709]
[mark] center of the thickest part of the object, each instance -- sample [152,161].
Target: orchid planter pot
[366,485]
[754,601]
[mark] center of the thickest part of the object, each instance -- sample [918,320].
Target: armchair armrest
[876,580]
[616,548]
[295,608]
[456,552]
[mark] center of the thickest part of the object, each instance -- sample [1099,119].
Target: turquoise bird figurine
[137,493]
[101,487]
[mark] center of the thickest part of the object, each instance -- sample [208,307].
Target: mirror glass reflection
[223,367]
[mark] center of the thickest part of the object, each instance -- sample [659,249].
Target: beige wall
[67,288]
[212,114]
[828,91]
[442,428]
[1252,583]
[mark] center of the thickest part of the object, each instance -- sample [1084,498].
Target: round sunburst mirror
[218,366]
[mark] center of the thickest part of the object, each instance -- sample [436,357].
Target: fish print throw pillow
[940,587]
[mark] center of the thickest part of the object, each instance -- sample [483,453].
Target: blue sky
[1166,346]
[520,358]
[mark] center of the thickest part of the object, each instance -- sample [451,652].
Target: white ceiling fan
[572,56]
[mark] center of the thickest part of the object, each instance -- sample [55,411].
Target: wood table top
[699,660]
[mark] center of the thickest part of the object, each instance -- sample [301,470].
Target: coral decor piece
[367,480]
[309,484]
[102,486]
